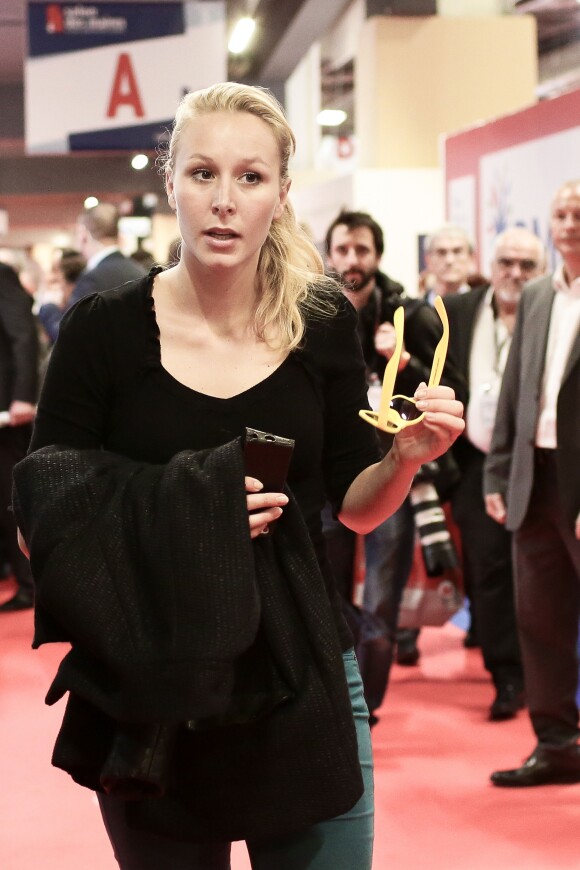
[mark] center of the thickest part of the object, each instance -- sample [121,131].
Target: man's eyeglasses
[459,251]
[397,412]
[510,262]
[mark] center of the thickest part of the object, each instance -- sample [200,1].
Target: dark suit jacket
[113,270]
[18,342]
[510,464]
[462,310]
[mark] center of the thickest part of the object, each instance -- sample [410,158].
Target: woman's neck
[226,302]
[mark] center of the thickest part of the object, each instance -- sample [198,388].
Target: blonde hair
[291,275]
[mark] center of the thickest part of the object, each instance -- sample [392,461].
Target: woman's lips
[222,234]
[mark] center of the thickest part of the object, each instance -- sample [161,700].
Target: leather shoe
[508,700]
[23,600]
[541,768]
[407,653]
[471,640]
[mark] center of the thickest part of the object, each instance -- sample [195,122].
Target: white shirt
[564,322]
[487,358]
[100,255]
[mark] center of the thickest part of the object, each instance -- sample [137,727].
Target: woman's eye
[201,174]
[251,177]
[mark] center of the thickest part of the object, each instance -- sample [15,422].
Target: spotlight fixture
[91,202]
[241,35]
[331,117]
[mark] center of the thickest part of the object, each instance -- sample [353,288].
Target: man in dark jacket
[97,240]
[18,394]
[481,324]
[354,246]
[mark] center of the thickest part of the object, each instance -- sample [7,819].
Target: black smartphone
[267,458]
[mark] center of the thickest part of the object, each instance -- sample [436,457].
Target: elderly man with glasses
[481,325]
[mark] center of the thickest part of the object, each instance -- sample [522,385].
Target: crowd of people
[149,380]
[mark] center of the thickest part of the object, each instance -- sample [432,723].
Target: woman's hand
[442,424]
[267,506]
[380,489]
[22,543]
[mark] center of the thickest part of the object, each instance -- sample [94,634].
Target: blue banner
[56,28]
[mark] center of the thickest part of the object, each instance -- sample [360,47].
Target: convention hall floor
[434,751]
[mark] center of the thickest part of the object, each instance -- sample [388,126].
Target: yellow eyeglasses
[398,412]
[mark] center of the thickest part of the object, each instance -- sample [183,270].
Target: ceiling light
[331,117]
[241,35]
[91,202]
[139,161]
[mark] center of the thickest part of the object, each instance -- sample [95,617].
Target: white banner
[110,75]
[517,185]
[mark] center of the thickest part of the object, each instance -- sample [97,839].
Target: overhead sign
[104,76]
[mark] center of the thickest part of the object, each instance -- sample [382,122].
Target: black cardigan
[175,616]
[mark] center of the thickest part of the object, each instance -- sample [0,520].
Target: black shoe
[23,600]
[407,653]
[541,768]
[471,640]
[508,700]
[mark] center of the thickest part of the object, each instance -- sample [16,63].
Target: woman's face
[225,188]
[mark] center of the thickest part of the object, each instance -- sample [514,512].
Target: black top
[105,387]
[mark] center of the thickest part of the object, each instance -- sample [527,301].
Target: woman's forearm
[377,492]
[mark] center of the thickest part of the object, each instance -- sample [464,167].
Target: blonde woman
[244,330]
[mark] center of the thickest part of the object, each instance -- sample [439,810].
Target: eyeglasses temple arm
[392,368]
[441,350]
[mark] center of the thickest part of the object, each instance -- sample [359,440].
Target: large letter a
[125,91]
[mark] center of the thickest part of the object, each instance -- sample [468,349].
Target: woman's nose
[223,202]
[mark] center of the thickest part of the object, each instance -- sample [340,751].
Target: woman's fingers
[451,407]
[440,407]
[263,507]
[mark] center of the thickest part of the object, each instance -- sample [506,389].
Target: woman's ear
[169,189]
[279,210]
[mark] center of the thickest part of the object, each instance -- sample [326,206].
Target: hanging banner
[505,172]
[103,76]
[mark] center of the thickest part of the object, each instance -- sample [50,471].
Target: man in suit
[532,485]
[18,394]
[481,323]
[97,239]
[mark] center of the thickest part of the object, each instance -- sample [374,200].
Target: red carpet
[434,751]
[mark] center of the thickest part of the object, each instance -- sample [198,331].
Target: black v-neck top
[106,387]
